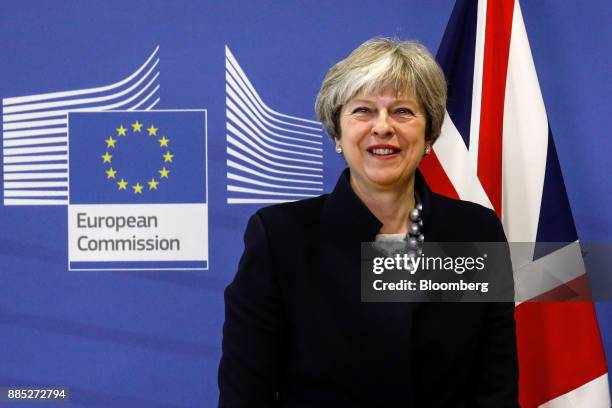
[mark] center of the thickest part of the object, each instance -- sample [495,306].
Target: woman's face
[382,139]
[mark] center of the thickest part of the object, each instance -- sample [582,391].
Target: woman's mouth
[383,151]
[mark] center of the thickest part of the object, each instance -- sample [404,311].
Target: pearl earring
[338,149]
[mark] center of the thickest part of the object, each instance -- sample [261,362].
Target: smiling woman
[383,107]
[383,142]
[296,332]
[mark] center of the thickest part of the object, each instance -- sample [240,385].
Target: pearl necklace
[413,241]
[415,237]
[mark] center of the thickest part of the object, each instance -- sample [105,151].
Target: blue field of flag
[137,157]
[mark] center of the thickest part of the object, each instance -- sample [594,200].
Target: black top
[296,333]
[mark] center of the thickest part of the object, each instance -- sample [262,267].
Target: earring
[338,149]
[427,149]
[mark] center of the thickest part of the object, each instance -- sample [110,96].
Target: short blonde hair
[406,66]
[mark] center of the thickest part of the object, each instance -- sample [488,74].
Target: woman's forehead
[406,95]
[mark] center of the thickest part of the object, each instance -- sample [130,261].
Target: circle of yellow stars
[111,145]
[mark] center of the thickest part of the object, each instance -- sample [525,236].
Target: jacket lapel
[346,218]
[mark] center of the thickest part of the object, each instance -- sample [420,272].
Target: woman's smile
[384,151]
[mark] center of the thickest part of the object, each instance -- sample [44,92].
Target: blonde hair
[406,66]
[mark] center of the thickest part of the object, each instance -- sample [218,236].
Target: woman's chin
[388,177]
[385,181]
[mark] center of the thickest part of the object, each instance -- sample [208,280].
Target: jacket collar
[346,217]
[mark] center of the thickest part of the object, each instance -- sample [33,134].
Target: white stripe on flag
[477,82]
[525,140]
[594,394]
[533,278]
[453,156]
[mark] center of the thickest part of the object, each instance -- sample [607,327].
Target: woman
[296,333]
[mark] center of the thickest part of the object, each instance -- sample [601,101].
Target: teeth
[382,151]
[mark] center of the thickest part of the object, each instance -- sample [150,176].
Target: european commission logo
[134,179]
[137,190]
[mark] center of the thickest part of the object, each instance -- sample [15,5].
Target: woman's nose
[383,126]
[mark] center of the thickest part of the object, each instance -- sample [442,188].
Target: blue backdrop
[153,338]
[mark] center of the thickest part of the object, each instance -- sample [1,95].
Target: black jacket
[296,333]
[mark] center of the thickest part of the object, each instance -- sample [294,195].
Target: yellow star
[122,184]
[168,157]
[121,130]
[110,173]
[110,142]
[153,184]
[163,142]
[106,157]
[152,130]
[163,173]
[137,188]
[136,126]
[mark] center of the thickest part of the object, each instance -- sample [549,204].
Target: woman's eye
[404,111]
[361,109]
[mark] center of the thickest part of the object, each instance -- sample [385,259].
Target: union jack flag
[497,149]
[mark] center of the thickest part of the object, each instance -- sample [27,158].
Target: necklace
[415,237]
[412,242]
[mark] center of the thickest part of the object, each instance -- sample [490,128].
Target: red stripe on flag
[560,349]
[495,67]
[436,177]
